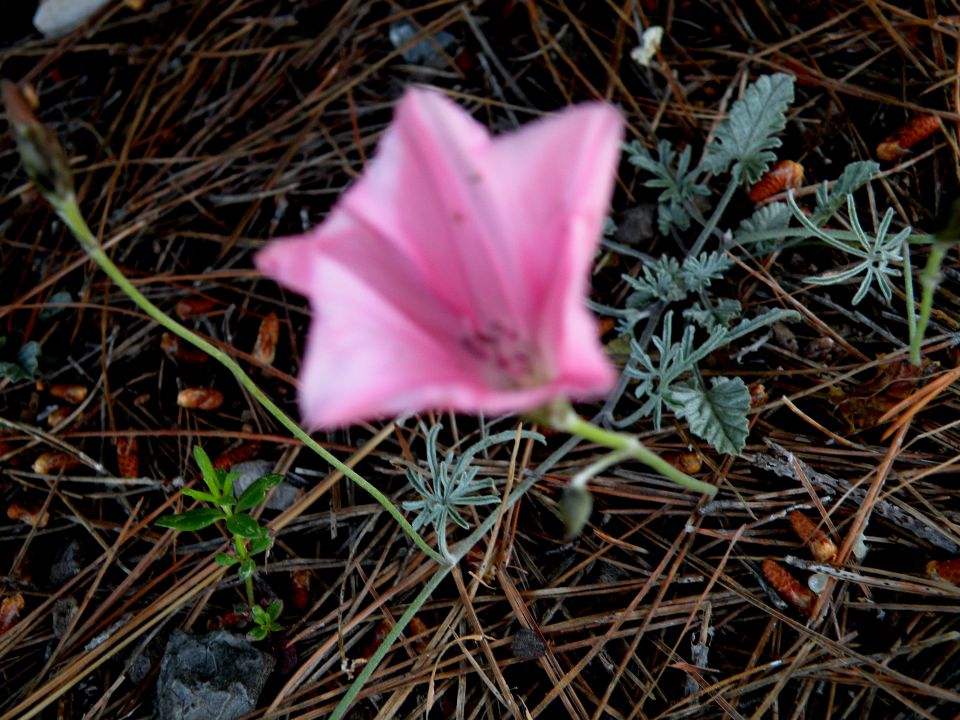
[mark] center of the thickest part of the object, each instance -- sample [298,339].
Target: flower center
[508,360]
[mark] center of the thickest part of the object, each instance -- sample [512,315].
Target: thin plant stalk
[911,308]
[47,165]
[715,216]
[458,552]
[562,417]
[944,239]
[71,215]
[929,279]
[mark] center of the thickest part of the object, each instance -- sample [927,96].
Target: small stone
[282,497]
[66,564]
[218,676]
[527,645]
[55,18]
[64,610]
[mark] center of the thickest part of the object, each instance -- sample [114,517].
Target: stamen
[508,359]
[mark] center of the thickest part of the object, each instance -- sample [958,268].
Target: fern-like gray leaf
[673,175]
[747,137]
[701,270]
[880,256]
[854,176]
[453,486]
[720,315]
[669,281]
[663,280]
[762,231]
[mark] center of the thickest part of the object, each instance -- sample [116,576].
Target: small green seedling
[249,536]
[265,621]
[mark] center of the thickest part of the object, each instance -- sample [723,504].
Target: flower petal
[432,165]
[555,179]
[366,360]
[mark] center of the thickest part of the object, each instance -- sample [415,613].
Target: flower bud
[576,505]
[41,153]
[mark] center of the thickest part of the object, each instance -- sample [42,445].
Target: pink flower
[453,274]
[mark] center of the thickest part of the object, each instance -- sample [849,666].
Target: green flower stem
[929,279]
[70,213]
[563,417]
[910,306]
[714,219]
[243,554]
[614,457]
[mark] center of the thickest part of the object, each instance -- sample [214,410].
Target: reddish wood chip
[200,399]
[33,518]
[899,144]
[265,348]
[74,394]
[10,608]
[821,547]
[787,585]
[785,175]
[241,453]
[194,307]
[53,462]
[946,570]
[181,351]
[128,457]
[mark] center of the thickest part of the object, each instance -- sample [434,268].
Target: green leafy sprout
[249,537]
[265,620]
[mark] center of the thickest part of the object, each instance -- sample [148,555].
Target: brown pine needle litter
[197,130]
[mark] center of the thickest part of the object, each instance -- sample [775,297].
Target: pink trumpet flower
[453,274]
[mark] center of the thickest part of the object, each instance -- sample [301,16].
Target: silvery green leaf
[719,315]
[609,227]
[700,270]
[28,358]
[671,174]
[748,136]
[663,280]
[658,382]
[51,308]
[718,415]
[453,485]
[881,255]
[669,281]
[854,176]
[761,231]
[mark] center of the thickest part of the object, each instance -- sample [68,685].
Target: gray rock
[282,497]
[218,676]
[55,18]
[66,564]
